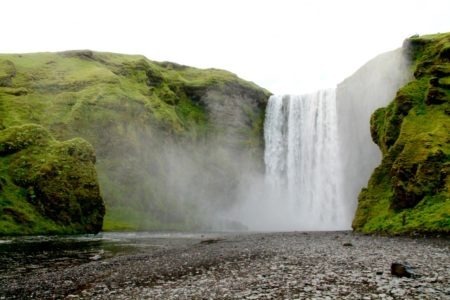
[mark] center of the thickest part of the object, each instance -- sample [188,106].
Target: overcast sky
[285,46]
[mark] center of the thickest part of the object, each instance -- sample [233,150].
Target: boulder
[57,178]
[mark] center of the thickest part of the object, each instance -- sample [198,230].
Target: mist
[329,174]
[163,177]
[372,86]
[215,180]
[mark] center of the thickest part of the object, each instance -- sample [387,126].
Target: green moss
[22,137]
[48,186]
[65,85]
[410,191]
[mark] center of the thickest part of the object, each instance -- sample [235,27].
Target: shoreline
[292,265]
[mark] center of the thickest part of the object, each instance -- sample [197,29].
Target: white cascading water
[302,160]
[319,152]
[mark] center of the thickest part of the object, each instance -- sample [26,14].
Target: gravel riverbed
[295,265]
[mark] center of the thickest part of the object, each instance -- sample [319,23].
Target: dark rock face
[232,108]
[58,179]
[436,96]
[412,182]
[154,78]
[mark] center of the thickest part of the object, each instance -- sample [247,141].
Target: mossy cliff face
[410,191]
[47,186]
[169,139]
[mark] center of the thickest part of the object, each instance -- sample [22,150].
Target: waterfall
[319,152]
[302,159]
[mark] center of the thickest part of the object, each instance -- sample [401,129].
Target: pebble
[265,266]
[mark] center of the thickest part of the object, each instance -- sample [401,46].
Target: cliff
[409,192]
[168,138]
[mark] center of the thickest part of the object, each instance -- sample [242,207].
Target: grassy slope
[410,191]
[124,105]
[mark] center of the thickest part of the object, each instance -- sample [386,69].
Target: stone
[401,270]
[211,241]
[95,257]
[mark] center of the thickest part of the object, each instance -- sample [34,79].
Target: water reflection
[21,255]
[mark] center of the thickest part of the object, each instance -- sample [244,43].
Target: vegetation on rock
[47,186]
[410,191]
[146,120]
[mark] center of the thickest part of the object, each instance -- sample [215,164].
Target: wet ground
[25,256]
[296,265]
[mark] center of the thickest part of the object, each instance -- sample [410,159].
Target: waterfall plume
[301,188]
[302,159]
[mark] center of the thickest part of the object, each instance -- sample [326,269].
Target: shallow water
[36,254]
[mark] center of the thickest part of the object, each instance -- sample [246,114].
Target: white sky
[284,46]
